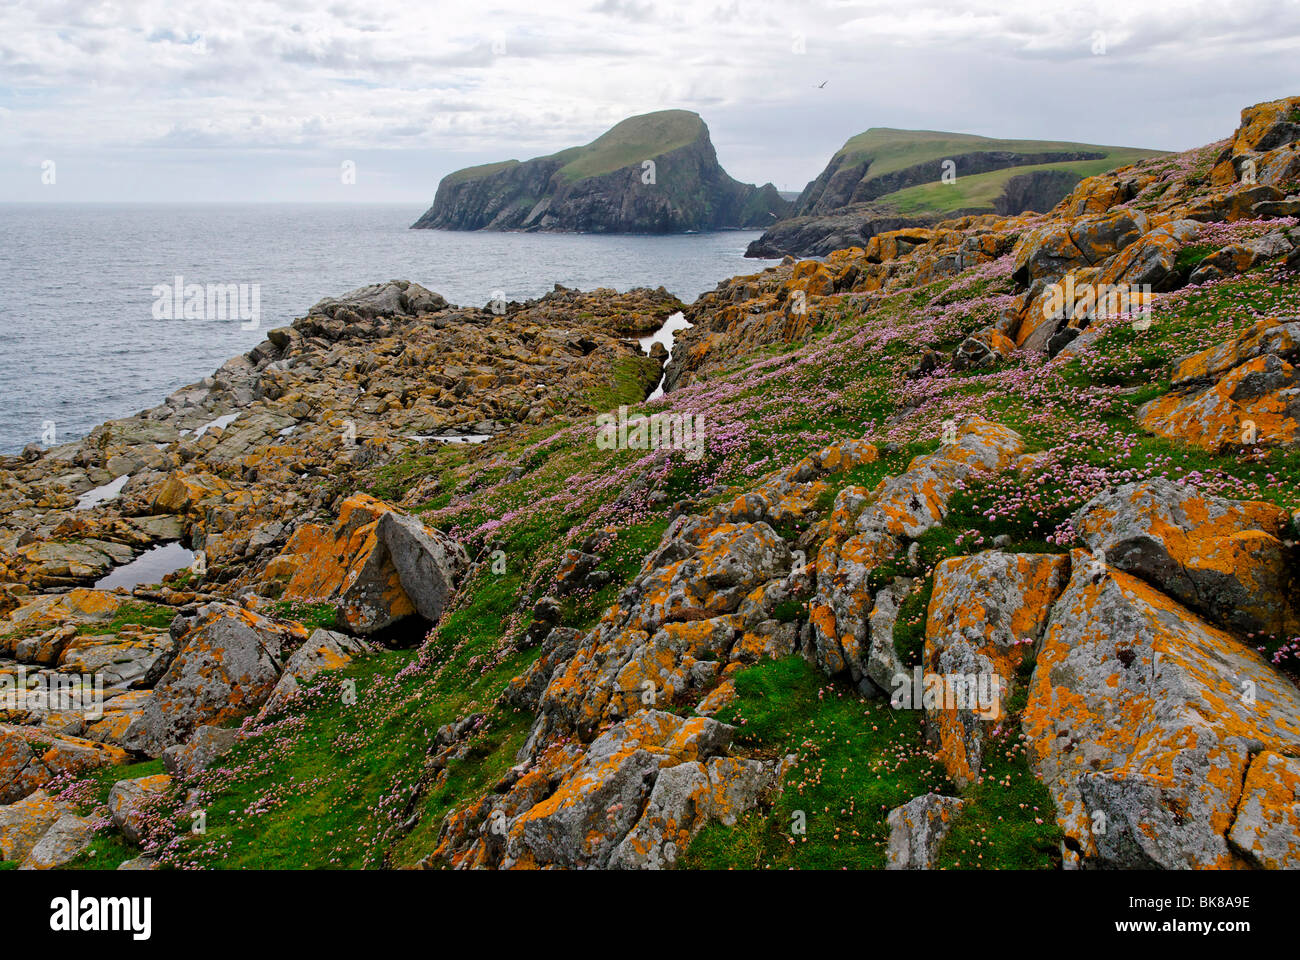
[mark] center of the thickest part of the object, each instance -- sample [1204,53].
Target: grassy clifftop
[607,186]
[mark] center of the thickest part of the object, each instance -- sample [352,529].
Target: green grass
[890,150]
[630,380]
[628,143]
[887,150]
[475,173]
[633,141]
[857,759]
[131,613]
[313,616]
[979,190]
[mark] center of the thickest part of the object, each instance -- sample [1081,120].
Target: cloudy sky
[266,99]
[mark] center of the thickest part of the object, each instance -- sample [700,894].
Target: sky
[254,100]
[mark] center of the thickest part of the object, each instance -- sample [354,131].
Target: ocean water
[81,343]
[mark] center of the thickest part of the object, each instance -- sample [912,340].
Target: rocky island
[655,173]
[884,179]
[968,575]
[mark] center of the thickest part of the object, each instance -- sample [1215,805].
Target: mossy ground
[855,759]
[131,613]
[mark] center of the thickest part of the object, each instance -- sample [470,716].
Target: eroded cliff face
[686,190]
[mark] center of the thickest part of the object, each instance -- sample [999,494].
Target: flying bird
[822,84]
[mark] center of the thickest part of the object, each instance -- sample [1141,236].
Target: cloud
[523,77]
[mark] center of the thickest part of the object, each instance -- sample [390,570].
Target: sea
[91,330]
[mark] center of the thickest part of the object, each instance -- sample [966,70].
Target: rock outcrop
[656,173]
[860,193]
[378,566]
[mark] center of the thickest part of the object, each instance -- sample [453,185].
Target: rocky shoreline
[919,460]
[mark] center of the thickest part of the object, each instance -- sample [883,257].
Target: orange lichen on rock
[1148,771]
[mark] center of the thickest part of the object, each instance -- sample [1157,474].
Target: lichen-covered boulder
[23,823]
[584,820]
[324,650]
[1055,248]
[986,615]
[1244,392]
[229,662]
[196,754]
[50,611]
[61,844]
[31,758]
[1264,127]
[1267,827]
[378,565]
[130,803]
[900,508]
[883,663]
[1223,558]
[917,829]
[686,797]
[1143,720]
[982,349]
[672,632]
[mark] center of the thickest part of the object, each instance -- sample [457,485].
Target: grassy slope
[334,785]
[890,150]
[629,142]
[981,189]
[633,141]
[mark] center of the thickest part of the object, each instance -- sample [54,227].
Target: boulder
[1267,827]
[601,798]
[229,663]
[120,660]
[686,797]
[1055,248]
[883,664]
[130,803]
[1223,558]
[62,843]
[22,824]
[982,350]
[1142,721]
[917,830]
[377,565]
[393,298]
[30,758]
[206,744]
[901,507]
[324,650]
[1244,392]
[986,616]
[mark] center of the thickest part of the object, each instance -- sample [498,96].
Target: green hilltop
[629,142]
